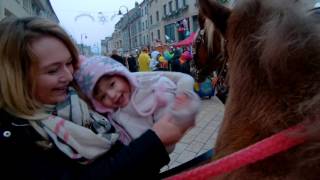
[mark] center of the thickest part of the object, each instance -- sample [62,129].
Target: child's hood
[92,69]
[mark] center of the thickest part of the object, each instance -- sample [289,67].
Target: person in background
[154,63]
[47,129]
[175,63]
[132,63]
[144,60]
[163,63]
[118,58]
[185,59]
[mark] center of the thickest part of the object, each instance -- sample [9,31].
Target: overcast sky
[94,19]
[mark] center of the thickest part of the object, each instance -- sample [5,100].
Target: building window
[7,13]
[151,20]
[169,31]
[26,5]
[35,9]
[144,40]
[140,40]
[184,2]
[142,11]
[142,26]
[170,6]
[165,9]
[195,24]
[157,14]
[158,34]
[152,36]
[145,10]
[177,4]
[135,41]
[146,24]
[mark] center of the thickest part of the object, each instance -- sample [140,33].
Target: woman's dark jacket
[22,158]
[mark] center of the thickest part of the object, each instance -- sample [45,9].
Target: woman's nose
[67,74]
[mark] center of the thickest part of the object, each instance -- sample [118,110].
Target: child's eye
[112,84]
[102,97]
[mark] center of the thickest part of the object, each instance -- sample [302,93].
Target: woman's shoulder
[16,130]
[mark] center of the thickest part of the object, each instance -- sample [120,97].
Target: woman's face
[113,92]
[53,71]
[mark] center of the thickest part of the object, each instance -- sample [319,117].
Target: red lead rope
[267,147]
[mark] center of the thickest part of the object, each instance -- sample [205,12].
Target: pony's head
[209,49]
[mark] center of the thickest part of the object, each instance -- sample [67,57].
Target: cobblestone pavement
[200,138]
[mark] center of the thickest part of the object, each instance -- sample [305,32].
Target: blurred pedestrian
[118,58]
[144,60]
[154,63]
[132,63]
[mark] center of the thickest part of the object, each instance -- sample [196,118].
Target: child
[135,101]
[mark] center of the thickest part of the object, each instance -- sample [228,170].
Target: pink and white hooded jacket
[152,94]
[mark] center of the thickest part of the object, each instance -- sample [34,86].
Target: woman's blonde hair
[17,60]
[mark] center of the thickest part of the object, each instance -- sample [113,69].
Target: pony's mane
[283,41]
[209,28]
[210,33]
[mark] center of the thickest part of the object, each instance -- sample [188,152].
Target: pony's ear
[216,12]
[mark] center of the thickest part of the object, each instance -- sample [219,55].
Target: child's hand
[185,108]
[171,127]
[180,102]
[168,131]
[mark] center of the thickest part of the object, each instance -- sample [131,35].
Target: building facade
[106,46]
[159,22]
[179,19]
[154,21]
[24,8]
[135,28]
[145,40]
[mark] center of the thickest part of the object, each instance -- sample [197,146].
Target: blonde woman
[47,130]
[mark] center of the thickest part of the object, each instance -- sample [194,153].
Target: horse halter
[277,143]
[202,70]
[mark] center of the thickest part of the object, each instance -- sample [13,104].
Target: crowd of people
[172,59]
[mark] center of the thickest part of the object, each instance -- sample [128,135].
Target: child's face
[113,92]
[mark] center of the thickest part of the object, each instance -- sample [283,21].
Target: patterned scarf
[77,131]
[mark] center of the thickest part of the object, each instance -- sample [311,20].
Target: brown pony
[274,78]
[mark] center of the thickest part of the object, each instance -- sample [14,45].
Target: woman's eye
[69,63]
[53,71]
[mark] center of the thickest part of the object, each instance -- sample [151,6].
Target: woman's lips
[61,90]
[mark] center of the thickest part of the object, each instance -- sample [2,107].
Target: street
[202,137]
